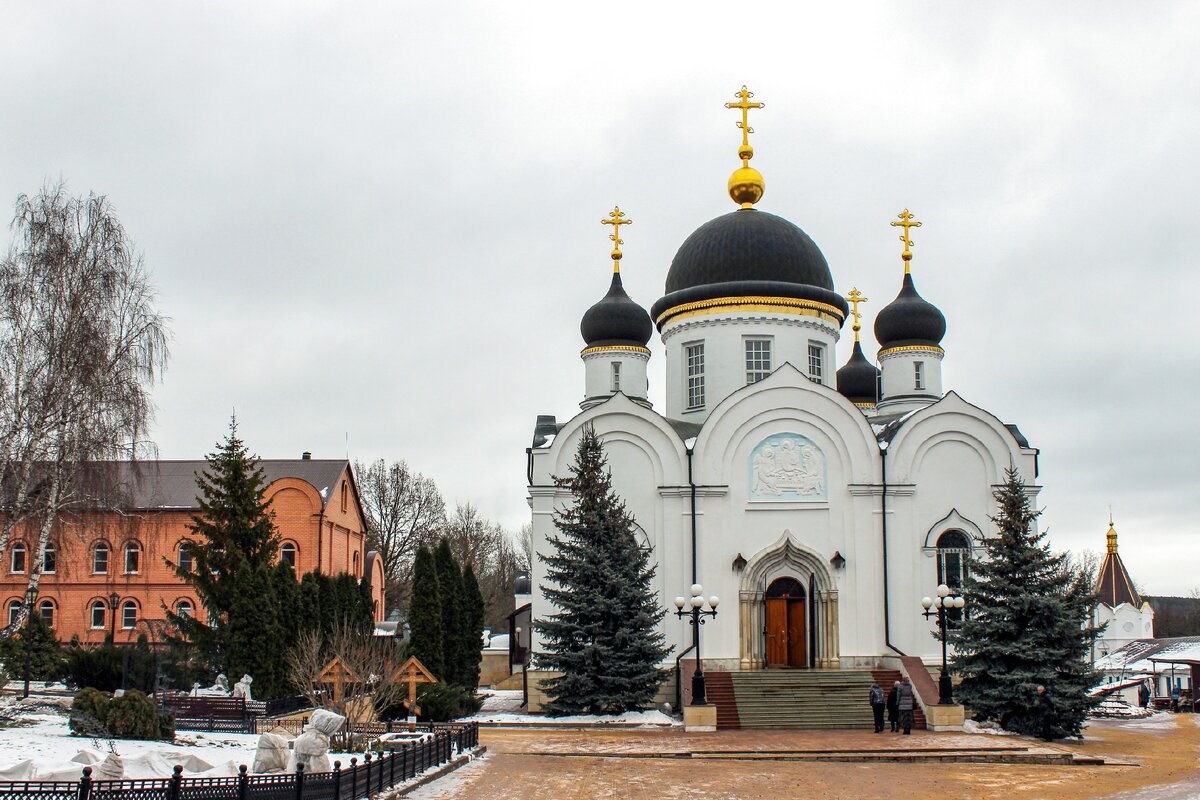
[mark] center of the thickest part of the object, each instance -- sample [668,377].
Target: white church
[819,504]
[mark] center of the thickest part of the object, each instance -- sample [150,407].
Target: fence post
[176,783]
[392,768]
[299,781]
[353,779]
[243,783]
[367,762]
[85,784]
[337,780]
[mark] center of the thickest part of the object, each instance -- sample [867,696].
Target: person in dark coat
[1143,695]
[877,703]
[906,701]
[893,709]
[1046,712]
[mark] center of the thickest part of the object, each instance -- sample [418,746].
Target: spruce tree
[425,614]
[231,537]
[1027,625]
[288,601]
[473,612]
[604,639]
[254,635]
[47,658]
[366,606]
[309,618]
[453,620]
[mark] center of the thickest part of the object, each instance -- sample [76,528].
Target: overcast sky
[375,226]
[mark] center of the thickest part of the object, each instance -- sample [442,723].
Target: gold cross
[906,221]
[745,105]
[616,218]
[855,297]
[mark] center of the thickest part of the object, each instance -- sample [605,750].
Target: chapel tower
[1122,612]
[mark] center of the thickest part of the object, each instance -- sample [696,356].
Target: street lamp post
[30,598]
[113,599]
[696,615]
[941,605]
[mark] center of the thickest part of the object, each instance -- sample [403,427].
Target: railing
[224,714]
[360,780]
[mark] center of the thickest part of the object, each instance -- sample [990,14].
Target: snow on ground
[503,706]
[41,735]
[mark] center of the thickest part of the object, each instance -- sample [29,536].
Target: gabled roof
[171,485]
[1113,584]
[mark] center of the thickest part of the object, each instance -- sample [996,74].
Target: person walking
[1046,712]
[905,702]
[877,704]
[893,709]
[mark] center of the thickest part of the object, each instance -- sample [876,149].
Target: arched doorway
[787,628]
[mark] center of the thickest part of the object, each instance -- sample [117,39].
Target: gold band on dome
[782,305]
[604,348]
[864,405]
[905,348]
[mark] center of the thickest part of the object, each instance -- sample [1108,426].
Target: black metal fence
[215,714]
[359,780]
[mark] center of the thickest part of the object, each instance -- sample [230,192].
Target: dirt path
[632,765]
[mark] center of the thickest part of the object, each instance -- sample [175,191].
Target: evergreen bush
[134,715]
[442,702]
[47,660]
[87,713]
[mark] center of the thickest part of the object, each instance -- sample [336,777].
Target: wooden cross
[906,221]
[337,674]
[413,672]
[616,218]
[855,297]
[745,105]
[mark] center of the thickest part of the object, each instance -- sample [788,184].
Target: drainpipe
[887,625]
[320,536]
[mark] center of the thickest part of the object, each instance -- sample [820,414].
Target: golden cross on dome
[855,297]
[907,221]
[746,152]
[616,218]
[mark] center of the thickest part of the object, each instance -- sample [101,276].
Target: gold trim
[904,348]
[786,305]
[606,347]
[864,405]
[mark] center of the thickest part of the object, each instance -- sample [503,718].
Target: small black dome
[858,380]
[616,320]
[909,320]
[748,245]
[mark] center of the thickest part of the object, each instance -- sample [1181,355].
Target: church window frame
[288,553]
[345,496]
[759,359]
[694,363]
[816,362]
[18,557]
[919,375]
[953,566]
[615,373]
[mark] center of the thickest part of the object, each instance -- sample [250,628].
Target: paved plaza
[1148,760]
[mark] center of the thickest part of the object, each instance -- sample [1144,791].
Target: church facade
[819,504]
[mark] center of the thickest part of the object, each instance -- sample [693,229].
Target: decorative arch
[950,522]
[788,557]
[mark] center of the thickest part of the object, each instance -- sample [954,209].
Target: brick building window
[287,554]
[98,610]
[354,571]
[14,608]
[129,615]
[133,558]
[100,558]
[49,559]
[345,496]
[184,557]
[184,609]
[46,609]
[18,557]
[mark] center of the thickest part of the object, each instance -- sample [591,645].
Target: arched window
[100,558]
[14,608]
[129,615]
[287,554]
[345,496]
[354,561]
[49,558]
[18,557]
[184,557]
[953,565]
[184,609]
[98,609]
[46,609]
[133,558]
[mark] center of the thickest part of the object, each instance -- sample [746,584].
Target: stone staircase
[718,686]
[796,699]
[886,678]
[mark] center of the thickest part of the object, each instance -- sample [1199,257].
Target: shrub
[87,713]
[133,715]
[442,702]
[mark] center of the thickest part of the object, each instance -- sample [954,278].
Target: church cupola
[1113,585]
[615,332]
[745,293]
[858,380]
[909,331]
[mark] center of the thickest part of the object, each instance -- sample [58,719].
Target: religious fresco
[787,466]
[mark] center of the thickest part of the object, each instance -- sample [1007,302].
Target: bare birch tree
[404,510]
[81,343]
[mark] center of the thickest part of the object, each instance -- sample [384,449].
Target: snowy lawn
[503,707]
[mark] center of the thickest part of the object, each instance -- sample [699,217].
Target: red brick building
[95,558]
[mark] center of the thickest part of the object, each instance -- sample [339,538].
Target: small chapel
[819,503]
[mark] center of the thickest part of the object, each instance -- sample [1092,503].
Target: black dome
[858,380]
[909,320]
[748,245]
[616,320]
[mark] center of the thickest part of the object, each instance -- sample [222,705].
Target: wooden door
[796,639]
[777,631]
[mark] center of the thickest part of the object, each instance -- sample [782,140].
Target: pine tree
[473,611]
[309,618]
[425,614]
[453,620]
[604,639]
[288,600]
[366,606]
[231,537]
[254,634]
[47,658]
[1027,625]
